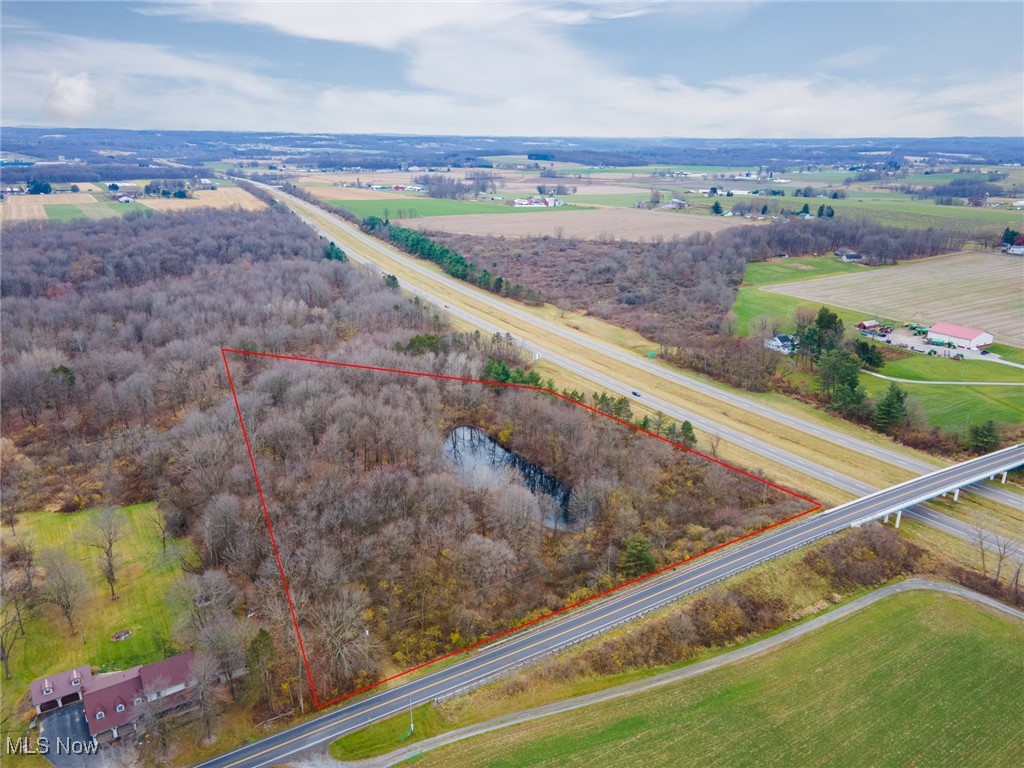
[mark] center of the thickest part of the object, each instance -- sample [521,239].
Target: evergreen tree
[983,438]
[636,559]
[891,411]
[717,208]
[259,665]
[686,435]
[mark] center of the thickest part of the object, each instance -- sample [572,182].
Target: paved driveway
[65,728]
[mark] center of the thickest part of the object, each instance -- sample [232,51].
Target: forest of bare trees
[114,391]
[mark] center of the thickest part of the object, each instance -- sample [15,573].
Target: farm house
[966,338]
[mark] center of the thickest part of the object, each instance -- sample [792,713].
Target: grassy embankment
[948,407]
[917,679]
[144,577]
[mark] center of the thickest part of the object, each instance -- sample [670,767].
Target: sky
[729,68]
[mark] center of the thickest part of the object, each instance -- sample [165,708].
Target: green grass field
[1013,354]
[751,302]
[903,211]
[918,679]
[64,212]
[796,268]
[413,207]
[925,368]
[100,210]
[955,408]
[144,577]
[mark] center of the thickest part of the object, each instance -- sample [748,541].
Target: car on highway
[635,393]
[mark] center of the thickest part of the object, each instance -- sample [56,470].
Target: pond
[474,454]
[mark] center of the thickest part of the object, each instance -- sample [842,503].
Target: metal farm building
[965,338]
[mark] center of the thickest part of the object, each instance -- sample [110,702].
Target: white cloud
[383,25]
[71,97]
[498,68]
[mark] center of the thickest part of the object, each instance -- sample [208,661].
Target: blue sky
[821,68]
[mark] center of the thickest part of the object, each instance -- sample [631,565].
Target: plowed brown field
[598,224]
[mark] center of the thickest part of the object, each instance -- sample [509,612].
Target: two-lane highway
[601,615]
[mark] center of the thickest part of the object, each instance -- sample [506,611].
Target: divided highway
[601,615]
[316,217]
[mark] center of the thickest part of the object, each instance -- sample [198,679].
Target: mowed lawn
[921,367]
[956,408]
[920,679]
[144,576]
[981,290]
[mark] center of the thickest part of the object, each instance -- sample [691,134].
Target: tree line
[452,262]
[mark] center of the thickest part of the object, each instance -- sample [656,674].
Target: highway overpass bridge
[895,500]
[599,616]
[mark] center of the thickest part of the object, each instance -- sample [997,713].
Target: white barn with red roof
[961,336]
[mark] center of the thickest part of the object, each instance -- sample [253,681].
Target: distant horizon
[628,69]
[667,137]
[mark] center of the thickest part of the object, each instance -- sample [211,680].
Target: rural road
[315,217]
[946,383]
[667,678]
[599,616]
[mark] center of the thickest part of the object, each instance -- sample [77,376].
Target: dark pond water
[474,454]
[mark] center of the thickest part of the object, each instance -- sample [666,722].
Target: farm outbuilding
[961,336]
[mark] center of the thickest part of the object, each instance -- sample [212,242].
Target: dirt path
[323,760]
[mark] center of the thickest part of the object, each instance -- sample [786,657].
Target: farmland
[939,691]
[753,302]
[69,206]
[414,207]
[606,223]
[774,289]
[206,198]
[977,289]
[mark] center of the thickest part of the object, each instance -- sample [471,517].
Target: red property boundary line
[225,351]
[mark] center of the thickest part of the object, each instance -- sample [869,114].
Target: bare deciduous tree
[65,584]
[982,537]
[206,679]
[150,714]
[108,529]
[1003,547]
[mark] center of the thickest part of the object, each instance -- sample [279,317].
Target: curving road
[602,615]
[404,754]
[945,383]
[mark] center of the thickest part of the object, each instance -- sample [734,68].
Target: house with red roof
[113,700]
[59,690]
